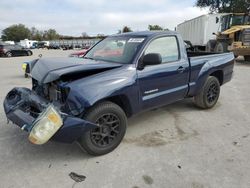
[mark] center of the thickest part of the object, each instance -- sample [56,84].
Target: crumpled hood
[47,70]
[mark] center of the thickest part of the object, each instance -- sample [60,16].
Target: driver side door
[166,82]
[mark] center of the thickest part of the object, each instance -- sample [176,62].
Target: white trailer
[9,42]
[200,30]
[26,43]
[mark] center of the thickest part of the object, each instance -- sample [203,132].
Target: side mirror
[152,59]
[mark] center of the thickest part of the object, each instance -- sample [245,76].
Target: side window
[167,47]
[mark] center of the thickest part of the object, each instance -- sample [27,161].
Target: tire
[104,139]
[209,93]
[29,53]
[210,45]
[247,57]
[221,47]
[8,54]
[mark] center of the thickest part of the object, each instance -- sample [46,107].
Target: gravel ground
[174,146]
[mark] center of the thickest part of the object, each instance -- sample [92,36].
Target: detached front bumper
[26,109]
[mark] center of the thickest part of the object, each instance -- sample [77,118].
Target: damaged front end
[43,118]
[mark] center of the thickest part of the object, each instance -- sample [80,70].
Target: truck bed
[205,63]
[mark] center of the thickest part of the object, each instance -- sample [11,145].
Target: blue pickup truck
[89,99]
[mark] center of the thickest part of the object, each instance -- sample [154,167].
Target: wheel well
[219,75]
[122,101]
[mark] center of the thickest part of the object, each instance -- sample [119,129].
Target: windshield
[237,20]
[231,20]
[116,49]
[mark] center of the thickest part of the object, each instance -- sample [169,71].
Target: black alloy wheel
[108,130]
[209,93]
[112,124]
[212,93]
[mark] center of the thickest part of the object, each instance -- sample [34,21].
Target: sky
[73,17]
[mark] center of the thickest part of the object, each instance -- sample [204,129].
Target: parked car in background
[79,53]
[41,45]
[85,46]
[89,99]
[54,46]
[67,47]
[7,50]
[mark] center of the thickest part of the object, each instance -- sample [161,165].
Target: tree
[225,6]
[154,27]
[85,35]
[100,35]
[16,33]
[50,34]
[36,34]
[126,29]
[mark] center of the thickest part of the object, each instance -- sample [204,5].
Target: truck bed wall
[200,30]
[195,54]
[204,65]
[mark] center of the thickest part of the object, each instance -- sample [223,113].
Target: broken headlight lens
[46,126]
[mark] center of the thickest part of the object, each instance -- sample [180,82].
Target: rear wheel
[247,57]
[29,53]
[8,54]
[112,123]
[210,45]
[221,47]
[209,93]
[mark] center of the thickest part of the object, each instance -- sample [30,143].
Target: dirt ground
[177,146]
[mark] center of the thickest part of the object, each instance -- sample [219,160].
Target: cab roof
[145,33]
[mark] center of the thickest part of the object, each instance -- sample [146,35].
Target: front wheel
[209,93]
[221,47]
[210,45]
[112,122]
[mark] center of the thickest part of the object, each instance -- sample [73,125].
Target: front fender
[86,92]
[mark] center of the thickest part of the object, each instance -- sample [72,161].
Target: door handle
[181,69]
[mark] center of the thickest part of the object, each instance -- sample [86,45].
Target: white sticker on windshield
[137,40]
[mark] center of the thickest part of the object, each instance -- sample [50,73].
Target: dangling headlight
[46,125]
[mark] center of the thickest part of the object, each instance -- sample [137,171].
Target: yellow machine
[241,47]
[234,35]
